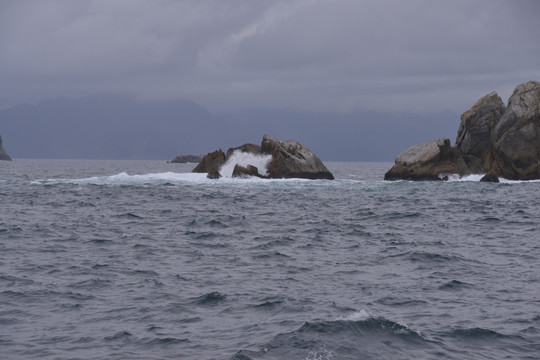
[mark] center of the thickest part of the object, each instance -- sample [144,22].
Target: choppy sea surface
[144,260]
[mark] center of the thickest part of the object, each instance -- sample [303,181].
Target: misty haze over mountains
[119,127]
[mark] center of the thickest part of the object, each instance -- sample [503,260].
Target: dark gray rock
[3,154]
[290,159]
[474,133]
[213,174]
[490,177]
[247,148]
[433,160]
[492,139]
[183,159]
[517,135]
[212,161]
[243,172]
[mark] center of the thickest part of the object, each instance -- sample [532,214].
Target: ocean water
[144,260]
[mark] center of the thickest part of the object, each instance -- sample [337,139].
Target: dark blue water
[142,260]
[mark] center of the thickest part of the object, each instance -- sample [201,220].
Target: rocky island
[3,154]
[492,139]
[185,158]
[283,159]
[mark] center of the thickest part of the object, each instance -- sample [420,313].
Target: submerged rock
[3,154]
[493,139]
[490,177]
[290,159]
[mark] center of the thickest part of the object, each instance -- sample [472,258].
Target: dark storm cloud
[340,55]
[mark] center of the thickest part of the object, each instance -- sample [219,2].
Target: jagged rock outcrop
[432,160]
[474,133]
[3,154]
[183,159]
[211,162]
[290,159]
[516,137]
[492,139]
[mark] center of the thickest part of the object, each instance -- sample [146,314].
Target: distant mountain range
[117,127]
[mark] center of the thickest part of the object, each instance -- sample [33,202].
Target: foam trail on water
[477,177]
[244,159]
[126,179]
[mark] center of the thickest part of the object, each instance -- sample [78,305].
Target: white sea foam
[473,177]
[244,159]
[126,179]
[477,177]
[356,316]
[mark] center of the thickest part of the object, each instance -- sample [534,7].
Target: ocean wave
[354,336]
[210,299]
[477,333]
[454,285]
[427,257]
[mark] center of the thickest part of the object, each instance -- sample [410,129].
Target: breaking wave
[355,336]
[244,159]
[126,179]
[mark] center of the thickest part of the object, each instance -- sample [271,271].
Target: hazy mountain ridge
[118,127]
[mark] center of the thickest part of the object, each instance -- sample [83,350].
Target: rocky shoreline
[492,139]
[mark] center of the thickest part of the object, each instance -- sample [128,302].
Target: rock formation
[490,177]
[290,159]
[213,174]
[474,133]
[183,159]
[516,137]
[428,161]
[211,162]
[241,171]
[247,148]
[492,139]
[3,153]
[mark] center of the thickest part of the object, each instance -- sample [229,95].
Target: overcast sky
[227,55]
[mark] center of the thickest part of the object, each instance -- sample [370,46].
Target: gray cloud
[333,55]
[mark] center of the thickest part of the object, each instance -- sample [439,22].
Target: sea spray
[244,159]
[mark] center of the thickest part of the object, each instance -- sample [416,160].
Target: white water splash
[473,177]
[244,159]
[356,316]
